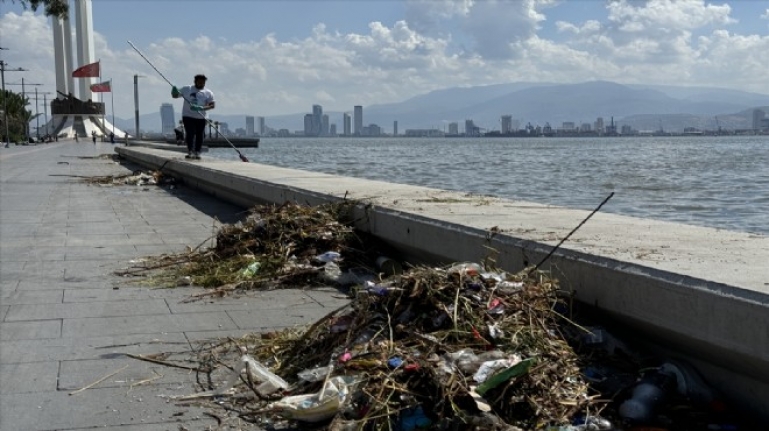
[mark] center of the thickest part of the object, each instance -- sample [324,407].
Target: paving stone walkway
[66,320]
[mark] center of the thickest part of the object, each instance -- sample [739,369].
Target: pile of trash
[461,347]
[138,178]
[276,245]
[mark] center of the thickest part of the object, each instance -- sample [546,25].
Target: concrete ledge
[699,291]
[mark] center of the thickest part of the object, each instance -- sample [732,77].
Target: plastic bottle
[388,266]
[315,374]
[647,396]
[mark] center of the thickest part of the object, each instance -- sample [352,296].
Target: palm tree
[58,8]
[18,116]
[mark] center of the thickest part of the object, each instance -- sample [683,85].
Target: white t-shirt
[203,97]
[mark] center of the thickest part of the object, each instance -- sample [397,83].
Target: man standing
[197,100]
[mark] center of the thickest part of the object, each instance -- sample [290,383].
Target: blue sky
[278,57]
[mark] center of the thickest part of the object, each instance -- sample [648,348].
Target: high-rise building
[507,124]
[308,125]
[346,124]
[167,119]
[260,125]
[395,128]
[249,126]
[332,130]
[454,128]
[471,129]
[358,118]
[317,120]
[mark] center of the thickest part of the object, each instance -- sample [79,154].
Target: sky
[270,57]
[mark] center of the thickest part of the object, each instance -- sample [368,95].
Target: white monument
[80,112]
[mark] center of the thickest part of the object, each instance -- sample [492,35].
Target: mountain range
[643,107]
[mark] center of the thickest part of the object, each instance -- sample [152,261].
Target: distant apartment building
[332,130]
[358,119]
[371,130]
[395,128]
[249,125]
[568,126]
[261,127]
[346,124]
[598,126]
[324,125]
[471,129]
[585,128]
[628,130]
[317,121]
[453,128]
[507,124]
[423,133]
[167,119]
[308,125]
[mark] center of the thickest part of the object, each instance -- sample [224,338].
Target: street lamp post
[136,102]
[37,117]
[37,112]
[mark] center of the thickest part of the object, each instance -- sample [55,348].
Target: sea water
[715,181]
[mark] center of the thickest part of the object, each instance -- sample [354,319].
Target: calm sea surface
[720,182]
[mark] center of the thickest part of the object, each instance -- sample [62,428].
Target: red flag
[102,87]
[87,71]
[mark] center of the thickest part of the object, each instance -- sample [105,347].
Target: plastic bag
[316,407]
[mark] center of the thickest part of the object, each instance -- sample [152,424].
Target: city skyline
[315,127]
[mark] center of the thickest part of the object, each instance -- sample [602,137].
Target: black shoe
[189,156]
[196,156]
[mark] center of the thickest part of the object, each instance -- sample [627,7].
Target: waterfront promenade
[66,320]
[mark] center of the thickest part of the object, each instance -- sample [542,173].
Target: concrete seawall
[698,291]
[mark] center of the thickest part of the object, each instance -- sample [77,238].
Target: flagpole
[112,97]
[104,114]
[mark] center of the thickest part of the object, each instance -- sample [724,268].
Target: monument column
[85,49]
[59,52]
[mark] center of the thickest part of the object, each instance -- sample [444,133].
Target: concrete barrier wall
[706,299]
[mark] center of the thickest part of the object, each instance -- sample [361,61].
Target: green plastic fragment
[497,379]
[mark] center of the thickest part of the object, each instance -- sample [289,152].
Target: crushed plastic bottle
[251,269]
[315,374]
[647,396]
[329,256]
[331,272]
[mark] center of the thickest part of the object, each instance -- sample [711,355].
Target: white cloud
[487,42]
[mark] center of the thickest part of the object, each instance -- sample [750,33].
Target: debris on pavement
[465,346]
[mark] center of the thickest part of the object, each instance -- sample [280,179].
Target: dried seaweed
[281,242]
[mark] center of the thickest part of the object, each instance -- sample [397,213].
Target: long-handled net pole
[570,233]
[210,123]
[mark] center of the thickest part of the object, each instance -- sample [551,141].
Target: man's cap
[201,76]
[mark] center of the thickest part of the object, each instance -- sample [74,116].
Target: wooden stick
[98,381]
[157,361]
